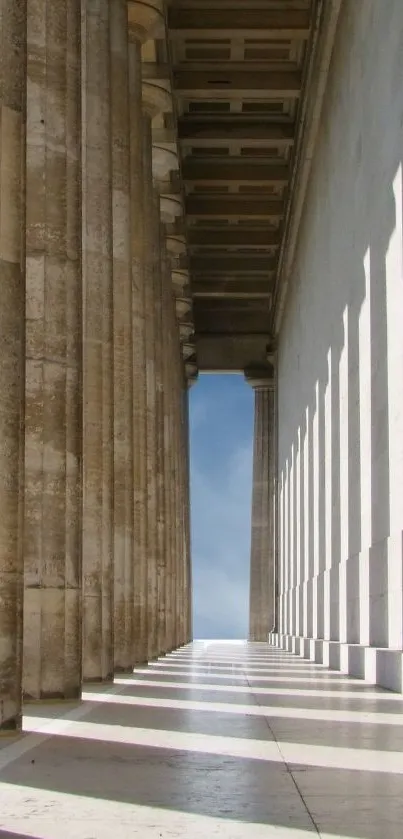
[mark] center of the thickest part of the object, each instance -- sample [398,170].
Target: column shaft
[98,347]
[262,549]
[138,245]
[188,565]
[168,481]
[52,538]
[178,487]
[12,315]
[160,280]
[123,341]
[151,223]
[172,469]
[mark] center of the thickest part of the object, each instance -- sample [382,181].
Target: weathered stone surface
[162,568]
[52,524]
[12,313]
[122,341]
[140,648]
[261,609]
[151,265]
[98,580]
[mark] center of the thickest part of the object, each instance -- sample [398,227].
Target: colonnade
[94,485]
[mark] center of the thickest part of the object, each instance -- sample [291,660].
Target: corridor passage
[215,741]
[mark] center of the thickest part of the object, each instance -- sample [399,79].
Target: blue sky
[221,426]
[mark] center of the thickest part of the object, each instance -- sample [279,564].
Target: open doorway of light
[221,440]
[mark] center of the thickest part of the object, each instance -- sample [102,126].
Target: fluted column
[157,164]
[171,208]
[186,373]
[167,465]
[52,533]
[98,575]
[122,342]
[161,394]
[178,485]
[140,644]
[150,231]
[173,349]
[145,19]
[187,538]
[262,570]
[12,316]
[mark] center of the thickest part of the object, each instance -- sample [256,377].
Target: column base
[375,665]
[11,727]
[53,696]
[253,639]
[99,680]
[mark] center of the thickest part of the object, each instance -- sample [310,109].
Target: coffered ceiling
[238,70]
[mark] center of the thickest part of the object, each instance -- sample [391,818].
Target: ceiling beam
[229,132]
[234,206]
[226,83]
[225,289]
[214,24]
[231,264]
[211,172]
[256,239]
[210,317]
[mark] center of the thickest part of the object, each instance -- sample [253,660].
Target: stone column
[122,342]
[98,579]
[12,317]
[150,222]
[145,19]
[157,163]
[171,209]
[176,577]
[187,539]
[162,540]
[189,373]
[53,431]
[140,643]
[178,488]
[167,431]
[179,308]
[262,570]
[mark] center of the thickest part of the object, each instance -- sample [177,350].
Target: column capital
[183,306]
[180,280]
[157,97]
[261,377]
[171,207]
[176,245]
[164,161]
[191,373]
[146,19]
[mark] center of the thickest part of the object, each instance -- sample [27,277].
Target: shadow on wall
[341,354]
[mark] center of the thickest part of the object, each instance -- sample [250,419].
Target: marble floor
[218,740]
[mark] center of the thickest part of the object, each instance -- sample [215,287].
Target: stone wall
[341,368]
